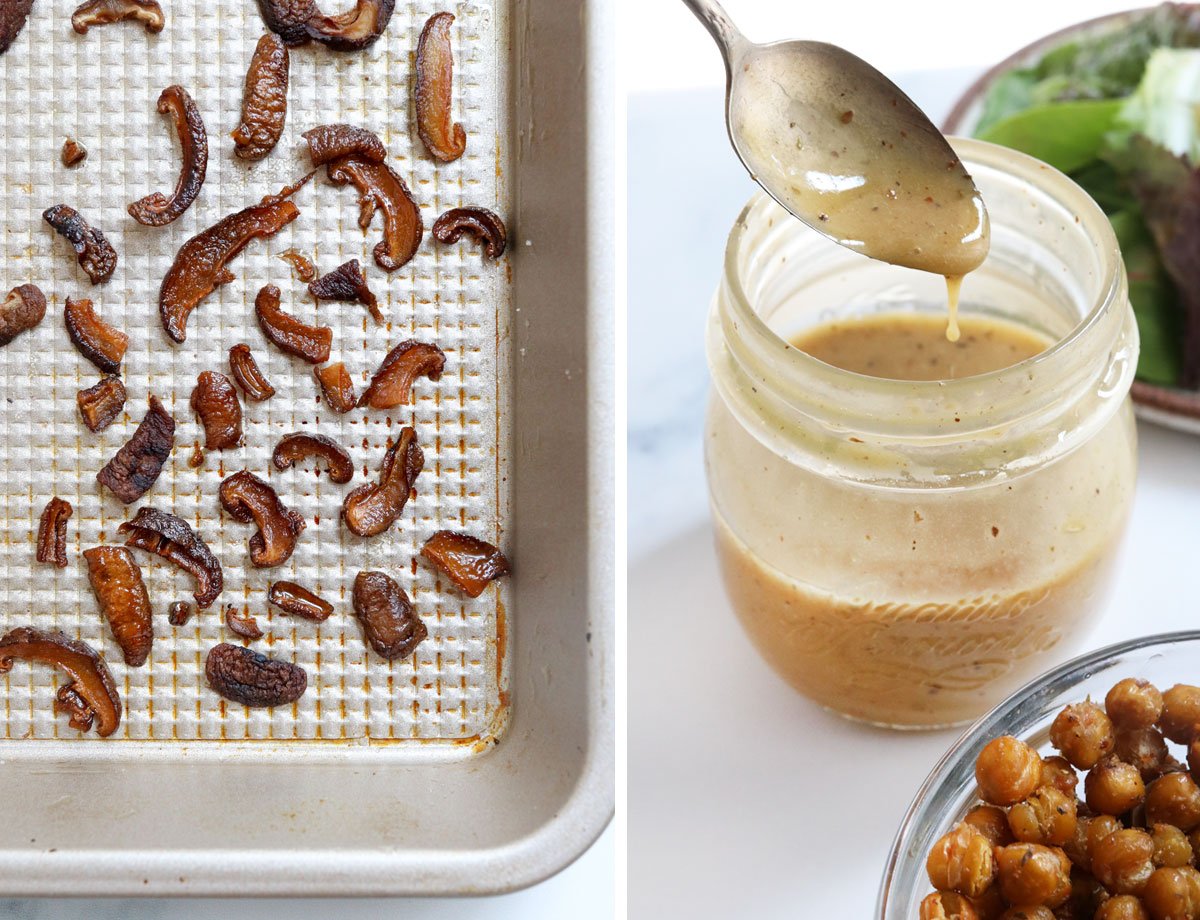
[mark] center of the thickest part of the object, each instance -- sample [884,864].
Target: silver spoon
[842,148]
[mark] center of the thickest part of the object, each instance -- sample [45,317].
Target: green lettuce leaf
[1155,303]
[1067,135]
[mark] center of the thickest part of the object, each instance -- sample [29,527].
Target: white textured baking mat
[102,89]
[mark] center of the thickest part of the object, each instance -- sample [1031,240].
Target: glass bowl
[950,791]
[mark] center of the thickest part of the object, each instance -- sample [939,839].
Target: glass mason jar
[907,553]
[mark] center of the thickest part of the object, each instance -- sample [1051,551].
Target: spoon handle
[719,25]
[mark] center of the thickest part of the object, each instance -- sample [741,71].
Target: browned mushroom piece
[301,264]
[106,12]
[73,153]
[179,613]
[392,384]
[117,583]
[23,308]
[467,561]
[252,679]
[336,386]
[311,343]
[12,20]
[299,446]
[371,509]
[389,621]
[93,252]
[96,340]
[443,137]
[250,499]
[91,696]
[242,624]
[298,601]
[347,284]
[484,226]
[199,266]
[215,402]
[247,373]
[171,538]
[378,186]
[264,100]
[353,30]
[52,532]
[136,466]
[327,143]
[101,403]
[157,209]
[288,18]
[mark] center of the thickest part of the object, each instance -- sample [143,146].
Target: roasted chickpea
[1181,713]
[1173,799]
[1077,847]
[961,861]
[1193,757]
[1171,846]
[992,822]
[1083,733]
[1122,907]
[1027,913]
[1031,875]
[1194,839]
[1007,771]
[1099,827]
[1113,787]
[1124,860]
[1058,772]
[1145,748]
[1046,817]
[947,905]
[1133,703]
[1173,894]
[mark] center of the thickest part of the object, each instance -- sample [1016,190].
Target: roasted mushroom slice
[106,12]
[117,583]
[12,20]
[93,252]
[378,186]
[215,402]
[264,100]
[310,343]
[353,30]
[199,266]
[327,143]
[136,466]
[298,601]
[91,696]
[156,209]
[443,138]
[392,384]
[242,624]
[347,284]
[371,509]
[485,226]
[22,310]
[73,153]
[246,372]
[248,498]
[179,613]
[171,538]
[299,446]
[467,561]
[336,386]
[389,622]
[252,679]
[96,340]
[301,264]
[288,18]
[52,532]
[100,403]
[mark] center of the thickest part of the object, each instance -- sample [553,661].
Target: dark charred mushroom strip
[389,622]
[336,386]
[310,343]
[156,209]
[248,498]
[298,601]
[246,372]
[96,340]
[483,225]
[101,403]
[371,509]
[22,310]
[171,538]
[136,466]
[247,677]
[106,12]
[117,583]
[93,252]
[392,384]
[443,138]
[299,446]
[264,100]
[242,624]
[327,143]
[199,266]
[52,532]
[179,613]
[12,20]
[467,561]
[288,18]
[347,284]
[91,696]
[215,402]
[379,187]
[73,153]
[353,30]
[301,264]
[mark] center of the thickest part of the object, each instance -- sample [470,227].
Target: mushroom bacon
[379,187]
[20,311]
[443,138]
[117,583]
[96,340]
[252,679]
[248,498]
[389,622]
[135,468]
[242,624]
[156,209]
[299,446]
[347,284]
[179,613]
[264,100]
[90,697]
[298,601]
[392,384]
[105,12]
[247,373]
[467,561]
[93,252]
[310,343]
[101,403]
[480,223]
[73,153]
[199,266]
[52,532]
[215,402]
[301,264]
[171,538]
[288,18]
[371,509]
[327,143]
[353,30]
[336,386]
[12,20]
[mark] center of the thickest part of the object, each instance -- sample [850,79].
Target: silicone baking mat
[102,89]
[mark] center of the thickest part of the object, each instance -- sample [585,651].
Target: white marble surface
[744,799]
